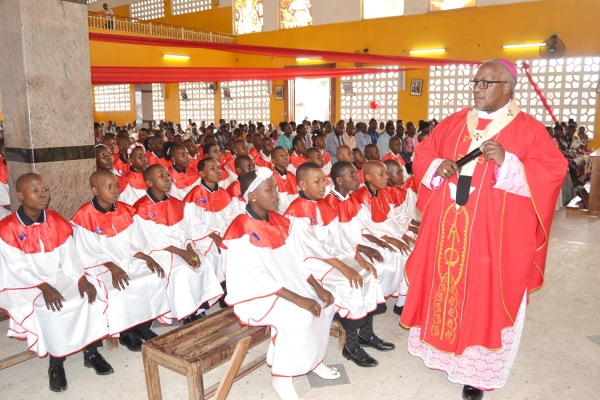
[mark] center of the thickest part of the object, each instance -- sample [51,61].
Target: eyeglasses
[483,84]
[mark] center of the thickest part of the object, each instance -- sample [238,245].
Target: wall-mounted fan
[554,48]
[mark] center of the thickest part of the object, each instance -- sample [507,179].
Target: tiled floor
[559,357]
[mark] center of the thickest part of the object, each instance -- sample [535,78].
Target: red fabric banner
[122,75]
[536,88]
[280,51]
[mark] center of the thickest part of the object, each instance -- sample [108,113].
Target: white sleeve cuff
[431,181]
[510,176]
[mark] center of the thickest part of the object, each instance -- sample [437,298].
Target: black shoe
[189,320]
[148,334]
[398,310]
[96,361]
[360,358]
[472,393]
[376,343]
[58,379]
[222,303]
[132,340]
[201,315]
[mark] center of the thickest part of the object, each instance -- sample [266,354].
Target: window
[248,16]
[382,8]
[91,1]
[247,101]
[112,98]
[380,88]
[295,13]
[158,102]
[449,89]
[439,5]
[148,9]
[569,85]
[179,7]
[200,103]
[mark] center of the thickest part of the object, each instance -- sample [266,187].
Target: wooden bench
[202,345]
[17,358]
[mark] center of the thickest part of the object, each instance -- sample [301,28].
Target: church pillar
[46,96]
[143,105]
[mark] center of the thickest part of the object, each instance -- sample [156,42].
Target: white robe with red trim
[315,237]
[102,238]
[135,189]
[46,253]
[259,264]
[4,213]
[162,225]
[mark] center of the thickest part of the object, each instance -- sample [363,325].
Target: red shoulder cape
[396,194]
[3,172]
[410,184]
[297,161]
[211,202]
[182,180]
[302,208]
[109,224]
[152,159]
[52,233]
[392,156]
[346,210]
[271,234]
[234,191]
[135,179]
[168,212]
[119,165]
[288,185]
[380,206]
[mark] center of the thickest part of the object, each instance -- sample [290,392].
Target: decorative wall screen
[250,101]
[382,8]
[381,88]
[158,102]
[248,16]
[295,13]
[179,7]
[200,105]
[148,9]
[112,98]
[569,85]
[439,5]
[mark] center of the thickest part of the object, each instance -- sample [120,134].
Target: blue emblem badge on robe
[22,236]
[151,215]
[202,201]
[98,230]
[255,236]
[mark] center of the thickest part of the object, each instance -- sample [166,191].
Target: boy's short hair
[151,168]
[303,170]
[296,140]
[202,163]
[338,169]
[239,159]
[312,150]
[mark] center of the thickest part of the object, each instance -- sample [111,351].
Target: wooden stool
[17,358]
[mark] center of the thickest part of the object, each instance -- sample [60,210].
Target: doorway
[312,99]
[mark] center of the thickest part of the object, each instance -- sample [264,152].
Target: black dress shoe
[148,334]
[96,361]
[132,340]
[58,379]
[472,393]
[201,315]
[398,310]
[360,357]
[188,320]
[376,343]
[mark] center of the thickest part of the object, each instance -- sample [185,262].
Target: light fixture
[524,45]
[427,51]
[175,57]
[302,59]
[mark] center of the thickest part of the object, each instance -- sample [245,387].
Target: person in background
[110,20]
[372,131]
[285,140]
[384,141]
[316,128]
[327,128]
[221,136]
[361,136]
[334,140]
[381,130]
[424,130]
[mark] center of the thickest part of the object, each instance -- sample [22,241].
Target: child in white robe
[243,165]
[4,195]
[320,144]
[183,177]
[159,218]
[130,281]
[267,287]
[132,185]
[317,241]
[43,286]
[287,185]
[212,150]
[238,148]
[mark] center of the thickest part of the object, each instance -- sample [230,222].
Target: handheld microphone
[470,157]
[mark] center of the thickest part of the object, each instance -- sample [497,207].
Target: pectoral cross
[477,136]
[510,113]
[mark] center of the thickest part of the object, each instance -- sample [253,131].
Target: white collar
[338,195]
[493,115]
[268,158]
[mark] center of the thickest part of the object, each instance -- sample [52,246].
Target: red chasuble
[29,239]
[234,190]
[120,166]
[471,266]
[380,205]
[392,156]
[270,234]
[288,185]
[297,160]
[168,212]
[346,209]
[211,202]
[185,179]
[109,224]
[153,159]
[303,208]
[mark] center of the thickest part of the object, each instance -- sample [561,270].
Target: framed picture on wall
[278,92]
[416,87]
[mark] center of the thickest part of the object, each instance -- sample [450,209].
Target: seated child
[314,156]
[109,142]
[132,184]
[155,155]
[243,165]
[256,140]
[317,242]
[238,148]
[264,155]
[131,282]
[287,186]
[159,218]
[121,162]
[394,153]
[192,149]
[44,289]
[359,163]
[183,177]
[402,192]
[344,153]
[320,144]
[267,287]
[211,150]
[372,152]
[297,157]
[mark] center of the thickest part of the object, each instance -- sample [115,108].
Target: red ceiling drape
[280,51]
[122,75]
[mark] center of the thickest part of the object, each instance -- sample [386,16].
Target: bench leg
[195,382]
[236,361]
[341,334]
[152,378]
